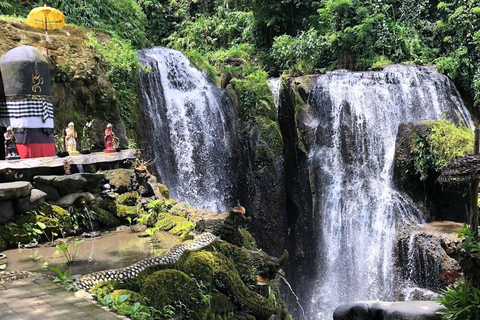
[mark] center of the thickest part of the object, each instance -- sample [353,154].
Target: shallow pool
[115,249]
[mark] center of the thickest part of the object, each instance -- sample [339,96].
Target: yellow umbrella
[46,18]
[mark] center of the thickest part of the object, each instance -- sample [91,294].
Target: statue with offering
[109,139]
[10,145]
[70,139]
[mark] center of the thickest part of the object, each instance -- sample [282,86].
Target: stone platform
[83,159]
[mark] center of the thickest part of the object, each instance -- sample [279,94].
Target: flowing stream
[191,129]
[355,120]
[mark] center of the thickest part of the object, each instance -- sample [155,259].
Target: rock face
[439,202]
[423,258]
[378,310]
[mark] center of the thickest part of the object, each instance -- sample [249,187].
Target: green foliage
[208,33]
[257,110]
[443,143]
[123,18]
[470,244]
[128,303]
[121,60]
[462,302]
[66,250]
[305,53]
[201,63]
[64,278]
[87,135]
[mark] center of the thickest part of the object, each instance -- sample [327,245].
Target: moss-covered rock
[214,269]
[221,305]
[108,204]
[248,239]
[422,150]
[241,259]
[174,288]
[134,296]
[128,199]
[177,225]
[106,218]
[164,190]
[59,215]
[101,289]
[128,211]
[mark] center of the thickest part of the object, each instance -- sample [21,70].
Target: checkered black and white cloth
[26,108]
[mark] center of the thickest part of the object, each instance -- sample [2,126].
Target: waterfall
[274,84]
[191,129]
[355,121]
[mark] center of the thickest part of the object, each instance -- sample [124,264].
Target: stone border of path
[42,299]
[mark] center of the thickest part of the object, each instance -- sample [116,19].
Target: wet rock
[437,201]
[120,180]
[93,180]
[379,310]
[79,199]
[424,250]
[47,180]
[52,192]
[37,198]
[70,183]
[6,211]
[14,190]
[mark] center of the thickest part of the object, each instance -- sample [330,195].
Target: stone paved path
[40,299]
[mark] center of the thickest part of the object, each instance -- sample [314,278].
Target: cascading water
[274,84]
[355,121]
[191,129]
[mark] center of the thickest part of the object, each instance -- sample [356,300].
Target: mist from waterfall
[191,129]
[355,120]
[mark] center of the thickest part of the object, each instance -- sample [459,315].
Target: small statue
[109,139]
[70,142]
[66,166]
[10,145]
[229,230]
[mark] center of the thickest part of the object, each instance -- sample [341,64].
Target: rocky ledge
[379,310]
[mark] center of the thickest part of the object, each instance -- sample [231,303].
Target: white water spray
[356,117]
[191,131]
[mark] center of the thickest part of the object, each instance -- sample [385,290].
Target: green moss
[240,258]
[134,296]
[106,218]
[108,204]
[174,288]
[128,211]
[164,190]
[177,225]
[128,199]
[200,62]
[103,288]
[248,239]
[221,305]
[214,269]
[441,143]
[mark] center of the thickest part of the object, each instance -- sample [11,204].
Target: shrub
[462,302]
